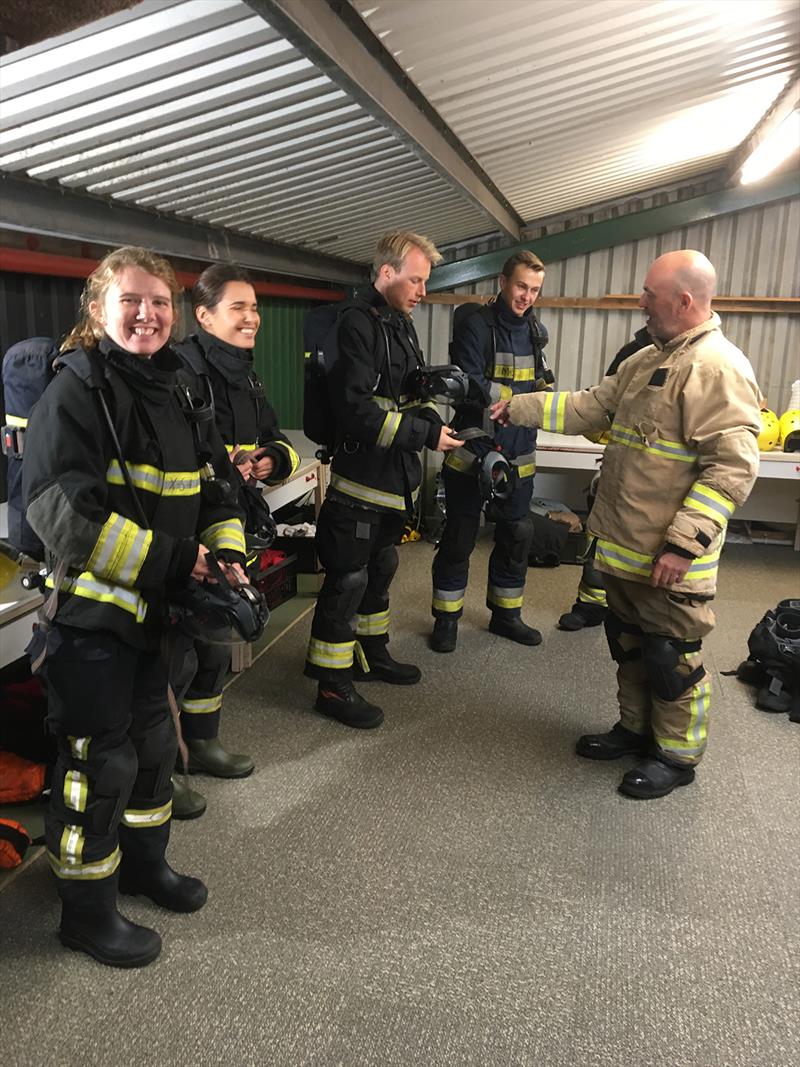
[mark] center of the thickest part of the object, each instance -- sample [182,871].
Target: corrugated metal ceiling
[199,109]
[566,103]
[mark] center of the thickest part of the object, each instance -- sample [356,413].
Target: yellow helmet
[770,431]
[790,431]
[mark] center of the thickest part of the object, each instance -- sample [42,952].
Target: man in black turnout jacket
[375,474]
[499,347]
[222,371]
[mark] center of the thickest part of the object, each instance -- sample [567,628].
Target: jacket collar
[507,316]
[689,336]
[233,363]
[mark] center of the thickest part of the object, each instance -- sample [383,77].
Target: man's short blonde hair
[394,246]
[525,259]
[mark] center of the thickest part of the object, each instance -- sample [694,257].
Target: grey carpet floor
[457,887]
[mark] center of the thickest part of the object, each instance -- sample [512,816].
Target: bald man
[683,420]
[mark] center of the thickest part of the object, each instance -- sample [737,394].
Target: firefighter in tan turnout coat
[683,420]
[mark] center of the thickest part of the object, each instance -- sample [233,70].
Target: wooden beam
[762,305]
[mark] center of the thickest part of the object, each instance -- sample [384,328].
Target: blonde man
[375,473]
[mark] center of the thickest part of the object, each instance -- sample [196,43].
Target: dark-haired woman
[219,356]
[115,490]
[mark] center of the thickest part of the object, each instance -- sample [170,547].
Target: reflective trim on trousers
[693,745]
[372,625]
[74,869]
[448,600]
[76,790]
[336,655]
[79,747]
[505,598]
[588,594]
[144,818]
[201,705]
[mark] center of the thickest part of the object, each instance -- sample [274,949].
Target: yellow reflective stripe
[391,424]
[709,502]
[524,374]
[92,588]
[120,550]
[440,603]
[367,493]
[153,480]
[103,868]
[499,392]
[505,598]
[386,403]
[202,705]
[624,435]
[525,470]
[224,535]
[71,846]
[144,818]
[589,594]
[335,654]
[294,458]
[694,743]
[79,747]
[625,559]
[15,420]
[76,790]
[457,463]
[369,625]
[553,412]
[503,370]
[420,405]
[251,446]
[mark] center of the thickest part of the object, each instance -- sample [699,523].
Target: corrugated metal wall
[755,253]
[279,357]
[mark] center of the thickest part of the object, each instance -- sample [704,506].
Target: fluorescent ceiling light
[773,150]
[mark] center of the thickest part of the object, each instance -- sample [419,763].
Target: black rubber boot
[187,803]
[382,668]
[340,701]
[209,757]
[582,615]
[445,635]
[618,742]
[165,887]
[90,923]
[655,778]
[515,630]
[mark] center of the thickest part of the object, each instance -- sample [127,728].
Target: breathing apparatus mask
[218,611]
[448,383]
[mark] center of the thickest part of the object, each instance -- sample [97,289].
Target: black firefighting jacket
[381,426]
[80,506]
[245,418]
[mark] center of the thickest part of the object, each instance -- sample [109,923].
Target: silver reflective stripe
[367,493]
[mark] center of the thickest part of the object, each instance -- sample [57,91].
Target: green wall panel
[279,356]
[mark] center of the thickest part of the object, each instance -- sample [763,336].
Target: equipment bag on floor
[774,660]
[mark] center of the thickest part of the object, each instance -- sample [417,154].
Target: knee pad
[662,660]
[113,782]
[348,589]
[157,752]
[614,628]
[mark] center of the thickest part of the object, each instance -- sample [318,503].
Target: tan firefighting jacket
[683,421]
